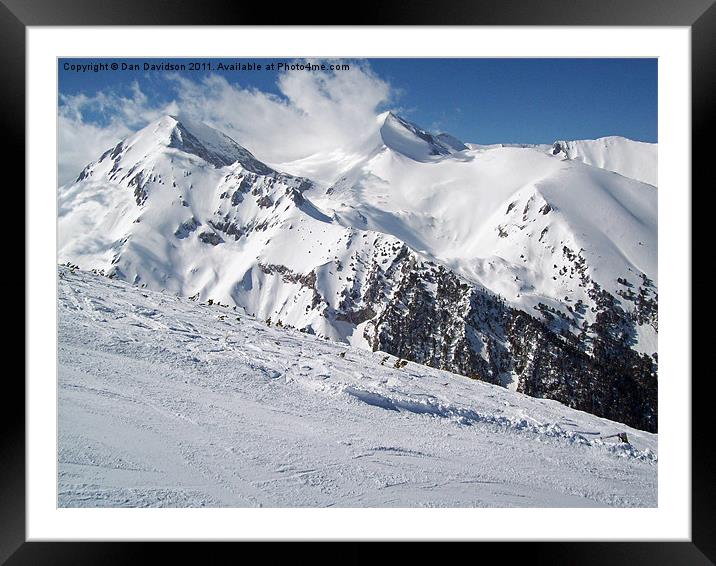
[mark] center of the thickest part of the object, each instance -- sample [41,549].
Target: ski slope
[168,402]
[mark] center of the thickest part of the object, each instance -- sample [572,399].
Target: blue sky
[282,116]
[480,100]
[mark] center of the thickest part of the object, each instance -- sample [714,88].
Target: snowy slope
[167,402]
[412,141]
[388,130]
[633,159]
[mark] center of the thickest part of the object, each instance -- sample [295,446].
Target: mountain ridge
[382,258]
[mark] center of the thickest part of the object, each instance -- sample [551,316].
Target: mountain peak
[193,137]
[213,146]
[411,140]
[186,135]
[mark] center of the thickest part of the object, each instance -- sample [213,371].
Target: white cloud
[318,112]
[82,140]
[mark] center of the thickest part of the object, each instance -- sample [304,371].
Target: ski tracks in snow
[166,402]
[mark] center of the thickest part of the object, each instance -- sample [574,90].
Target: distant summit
[412,141]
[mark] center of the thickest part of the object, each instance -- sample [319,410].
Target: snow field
[164,401]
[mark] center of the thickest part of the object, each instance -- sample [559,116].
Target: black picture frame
[699,15]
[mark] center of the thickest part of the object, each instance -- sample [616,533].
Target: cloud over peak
[315,112]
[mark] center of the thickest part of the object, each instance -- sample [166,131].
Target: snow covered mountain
[510,265]
[166,402]
[410,140]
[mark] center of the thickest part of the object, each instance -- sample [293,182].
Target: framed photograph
[422,279]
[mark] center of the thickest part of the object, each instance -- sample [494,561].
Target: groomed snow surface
[166,402]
